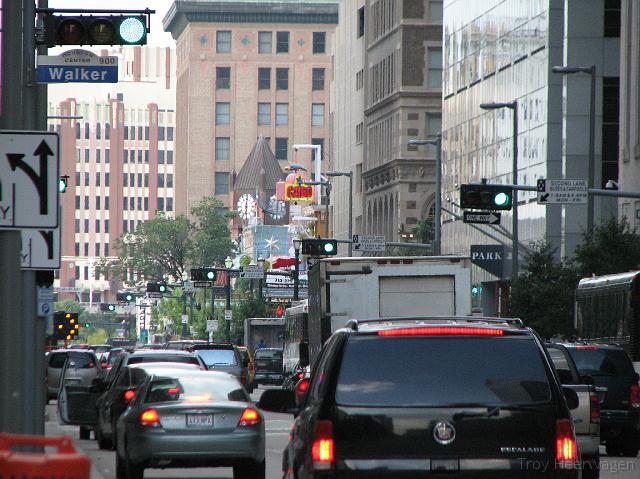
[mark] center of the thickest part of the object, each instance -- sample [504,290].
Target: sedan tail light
[594,402]
[250,417]
[150,418]
[566,448]
[634,396]
[128,395]
[322,452]
[106,365]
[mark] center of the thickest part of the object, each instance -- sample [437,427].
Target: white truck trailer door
[417,296]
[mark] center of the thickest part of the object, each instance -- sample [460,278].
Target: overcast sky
[157,38]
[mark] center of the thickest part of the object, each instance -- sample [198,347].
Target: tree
[542,295]
[611,248]
[212,239]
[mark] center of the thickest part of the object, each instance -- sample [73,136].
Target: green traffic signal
[133,30]
[100,29]
[62,184]
[501,199]
[211,275]
[328,248]
[484,196]
[162,288]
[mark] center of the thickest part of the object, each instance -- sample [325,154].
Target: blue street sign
[77,66]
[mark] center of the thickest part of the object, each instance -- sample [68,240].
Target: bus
[295,353]
[608,310]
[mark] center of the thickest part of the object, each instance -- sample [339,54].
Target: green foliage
[424,230]
[211,237]
[168,311]
[611,248]
[249,307]
[69,306]
[543,294]
[98,336]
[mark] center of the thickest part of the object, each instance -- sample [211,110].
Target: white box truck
[382,287]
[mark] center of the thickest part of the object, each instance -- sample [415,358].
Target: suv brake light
[250,417]
[634,396]
[566,448]
[322,452]
[594,402]
[128,395]
[586,346]
[150,418]
[441,331]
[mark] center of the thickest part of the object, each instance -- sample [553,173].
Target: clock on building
[246,206]
[277,209]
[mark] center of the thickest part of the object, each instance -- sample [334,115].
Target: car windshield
[196,388]
[164,358]
[268,354]
[217,356]
[441,371]
[592,360]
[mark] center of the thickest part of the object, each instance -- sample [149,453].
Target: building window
[87,131]
[107,131]
[160,204]
[126,133]
[98,203]
[359,131]
[264,114]
[264,42]
[106,226]
[610,128]
[139,133]
[222,184]
[86,155]
[98,156]
[282,78]
[223,78]
[125,181]
[282,42]
[161,133]
[106,206]
[317,114]
[222,149]
[317,79]
[435,11]
[97,179]
[282,148]
[107,156]
[132,204]
[169,133]
[146,132]
[133,132]
[319,42]
[146,203]
[77,131]
[86,179]
[434,125]
[160,180]
[169,157]
[223,41]
[612,18]
[169,204]
[86,253]
[78,178]
[264,78]
[106,249]
[97,226]
[434,75]
[161,157]
[223,113]
[282,114]
[86,202]
[169,180]
[146,180]
[125,226]
[139,204]
[319,142]
[77,202]
[360,22]
[77,250]
[77,226]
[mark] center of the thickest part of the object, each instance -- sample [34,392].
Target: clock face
[277,209]
[246,207]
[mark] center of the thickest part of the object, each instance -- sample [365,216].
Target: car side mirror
[565,376]
[571,397]
[278,400]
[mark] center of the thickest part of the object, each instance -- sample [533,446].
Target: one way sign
[29,172]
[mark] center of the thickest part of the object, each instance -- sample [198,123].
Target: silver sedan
[191,419]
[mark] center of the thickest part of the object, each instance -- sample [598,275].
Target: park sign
[77,66]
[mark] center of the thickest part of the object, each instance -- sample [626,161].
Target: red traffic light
[71,31]
[279,310]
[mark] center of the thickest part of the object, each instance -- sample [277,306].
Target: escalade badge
[444,433]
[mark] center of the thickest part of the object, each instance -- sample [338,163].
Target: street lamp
[438,204]
[297,243]
[513,105]
[317,171]
[591,70]
[228,262]
[350,175]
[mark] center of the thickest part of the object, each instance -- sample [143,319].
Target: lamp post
[513,105]
[438,203]
[317,171]
[350,175]
[296,269]
[591,70]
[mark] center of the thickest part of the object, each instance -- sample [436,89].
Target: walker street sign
[483,218]
[77,66]
[490,257]
[562,191]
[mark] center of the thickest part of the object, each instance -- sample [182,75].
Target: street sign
[228,315]
[252,271]
[490,257]
[202,284]
[212,325]
[369,243]
[481,217]
[185,318]
[153,294]
[188,287]
[40,249]
[45,301]
[77,66]
[562,191]
[29,173]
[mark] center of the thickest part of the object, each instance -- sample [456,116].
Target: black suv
[613,374]
[409,398]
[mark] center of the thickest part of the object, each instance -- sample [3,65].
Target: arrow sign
[564,191]
[29,170]
[543,197]
[481,217]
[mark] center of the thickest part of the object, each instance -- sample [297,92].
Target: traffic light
[126,297]
[59,330]
[279,311]
[108,307]
[319,247]
[486,197]
[155,287]
[203,274]
[129,29]
[62,183]
[71,325]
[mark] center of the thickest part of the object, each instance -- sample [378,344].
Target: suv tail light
[322,452]
[566,448]
[634,396]
[441,331]
[594,403]
[91,365]
[150,418]
[250,417]
[128,395]
[106,365]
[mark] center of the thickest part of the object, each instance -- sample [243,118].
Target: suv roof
[377,324]
[213,346]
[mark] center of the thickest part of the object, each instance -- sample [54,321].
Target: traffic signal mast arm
[591,191]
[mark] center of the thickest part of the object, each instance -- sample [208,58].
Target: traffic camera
[319,247]
[63,182]
[156,287]
[203,274]
[128,29]
[486,197]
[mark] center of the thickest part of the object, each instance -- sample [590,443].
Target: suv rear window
[441,371]
[268,354]
[81,361]
[217,356]
[56,360]
[164,358]
[610,362]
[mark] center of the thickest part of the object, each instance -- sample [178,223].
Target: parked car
[191,419]
[612,371]
[224,357]
[449,397]
[586,417]
[268,366]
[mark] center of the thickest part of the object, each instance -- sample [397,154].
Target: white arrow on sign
[40,249]
[29,172]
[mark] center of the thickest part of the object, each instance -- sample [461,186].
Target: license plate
[199,420]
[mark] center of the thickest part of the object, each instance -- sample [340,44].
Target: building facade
[117,149]
[504,51]
[247,69]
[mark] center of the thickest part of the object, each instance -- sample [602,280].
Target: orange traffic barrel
[59,459]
